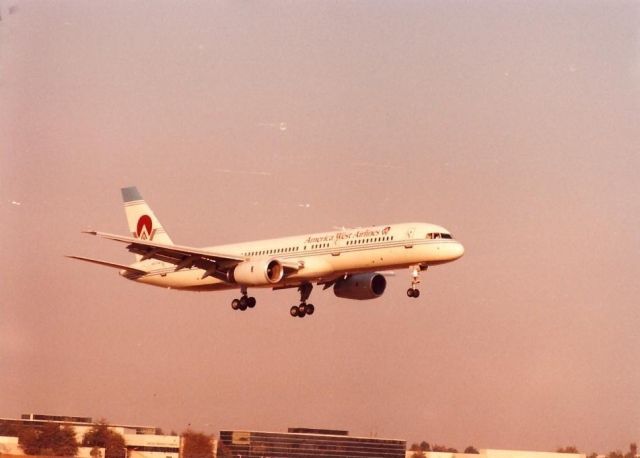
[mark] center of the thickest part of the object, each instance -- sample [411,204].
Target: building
[140,441]
[152,446]
[493,453]
[307,443]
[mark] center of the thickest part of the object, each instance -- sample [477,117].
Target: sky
[512,124]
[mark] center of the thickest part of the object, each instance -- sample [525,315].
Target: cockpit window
[438,235]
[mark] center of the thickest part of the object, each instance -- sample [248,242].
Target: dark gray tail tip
[131,194]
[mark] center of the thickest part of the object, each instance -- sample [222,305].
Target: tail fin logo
[144,229]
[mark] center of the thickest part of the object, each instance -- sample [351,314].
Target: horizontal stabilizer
[110,264]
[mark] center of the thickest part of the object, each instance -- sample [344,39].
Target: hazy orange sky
[513,124]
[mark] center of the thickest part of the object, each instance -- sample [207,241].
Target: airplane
[347,260]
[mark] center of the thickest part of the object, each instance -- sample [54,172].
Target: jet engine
[361,286]
[257,273]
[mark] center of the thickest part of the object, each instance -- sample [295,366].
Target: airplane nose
[458,250]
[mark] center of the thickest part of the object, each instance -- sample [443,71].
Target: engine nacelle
[361,286]
[257,273]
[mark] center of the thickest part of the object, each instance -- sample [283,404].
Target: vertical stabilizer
[143,223]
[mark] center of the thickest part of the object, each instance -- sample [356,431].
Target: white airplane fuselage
[347,259]
[323,256]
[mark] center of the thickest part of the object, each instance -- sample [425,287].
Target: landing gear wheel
[304,308]
[242,306]
[251,302]
[235,304]
[415,280]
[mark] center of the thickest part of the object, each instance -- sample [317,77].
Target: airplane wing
[215,264]
[183,257]
[110,264]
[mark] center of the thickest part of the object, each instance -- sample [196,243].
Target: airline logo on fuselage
[144,228]
[346,235]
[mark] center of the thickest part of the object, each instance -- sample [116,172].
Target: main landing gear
[244,302]
[415,280]
[303,309]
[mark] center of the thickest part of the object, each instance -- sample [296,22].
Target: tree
[442,448]
[471,449]
[51,439]
[421,447]
[101,436]
[568,449]
[615,454]
[197,445]
[633,451]
[28,440]
[10,429]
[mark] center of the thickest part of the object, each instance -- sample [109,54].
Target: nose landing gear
[415,280]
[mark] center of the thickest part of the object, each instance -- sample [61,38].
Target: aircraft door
[410,234]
